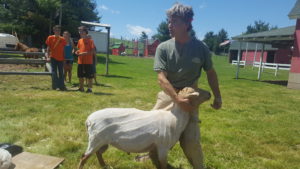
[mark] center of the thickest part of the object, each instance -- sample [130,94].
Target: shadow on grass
[40,88]
[275,82]
[102,94]
[102,60]
[98,84]
[116,76]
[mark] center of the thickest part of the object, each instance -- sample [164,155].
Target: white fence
[275,66]
[235,62]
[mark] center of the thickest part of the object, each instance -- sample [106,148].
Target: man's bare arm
[169,89]
[214,85]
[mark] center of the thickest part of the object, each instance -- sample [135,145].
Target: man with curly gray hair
[178,63]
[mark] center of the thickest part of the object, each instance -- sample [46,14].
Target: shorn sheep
[137,131]
[5,159]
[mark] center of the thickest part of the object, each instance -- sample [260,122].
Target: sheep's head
[196,96]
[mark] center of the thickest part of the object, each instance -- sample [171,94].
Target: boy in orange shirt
[55,51]
[86,49]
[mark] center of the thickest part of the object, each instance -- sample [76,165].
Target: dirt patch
[6,67]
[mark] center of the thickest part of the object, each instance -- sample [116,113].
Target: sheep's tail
[87,124]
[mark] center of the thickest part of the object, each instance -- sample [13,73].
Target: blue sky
[129,18]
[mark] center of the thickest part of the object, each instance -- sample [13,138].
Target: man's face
[176,26]
[81,32]
[56,31]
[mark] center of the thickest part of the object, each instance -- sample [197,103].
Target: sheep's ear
[194,94]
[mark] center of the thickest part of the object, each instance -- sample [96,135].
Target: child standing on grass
[94,62]
[86,49]
[68,50]
[55,51]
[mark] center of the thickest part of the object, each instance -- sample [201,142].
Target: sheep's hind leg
[99,155]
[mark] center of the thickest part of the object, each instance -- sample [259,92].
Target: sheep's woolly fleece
[5,159]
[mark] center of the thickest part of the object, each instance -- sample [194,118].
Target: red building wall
[251,55]
[115,51]
[152,47]
[294,75]
[280,56]
[118,51]
[295,67]
[283,56]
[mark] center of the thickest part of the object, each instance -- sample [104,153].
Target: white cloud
[115,12]
[137,30]
[105,8]
[202,5]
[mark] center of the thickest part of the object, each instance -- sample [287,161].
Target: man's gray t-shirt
[184,63]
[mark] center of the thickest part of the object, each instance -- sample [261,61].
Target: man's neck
[183,38]
[84,37]
[56,35]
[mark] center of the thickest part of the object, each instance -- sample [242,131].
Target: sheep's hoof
[142,158]
[107,167]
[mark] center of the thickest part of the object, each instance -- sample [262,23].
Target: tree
[33,19]
[213,40]
[163,33]
[221,37]
[143,37]
[209,39]
[259,26]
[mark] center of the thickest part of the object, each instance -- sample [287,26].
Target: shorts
[94,68]
[85,71]
[69,62]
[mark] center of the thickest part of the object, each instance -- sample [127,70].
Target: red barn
[118,48]
[152,47]
[294,76]
[250,52]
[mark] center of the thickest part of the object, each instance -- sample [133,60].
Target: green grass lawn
[257,128]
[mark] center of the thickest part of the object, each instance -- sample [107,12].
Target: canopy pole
[238,63]
[254,60]
[246,55]
[107,53]
[261,61]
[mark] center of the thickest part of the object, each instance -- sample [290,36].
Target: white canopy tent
[97,36]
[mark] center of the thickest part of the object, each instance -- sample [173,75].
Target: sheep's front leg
[99,155]
[162,157]
[159,157]
[154,157]
[83,161]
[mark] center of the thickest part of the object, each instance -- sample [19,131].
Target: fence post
[277,67]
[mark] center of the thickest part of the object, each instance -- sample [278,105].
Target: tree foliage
[33,20]
[163,33]
[259,26]
[143,37]
[213,41]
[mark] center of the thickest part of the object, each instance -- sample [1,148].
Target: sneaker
[80,90]
[89,91]
[63,89]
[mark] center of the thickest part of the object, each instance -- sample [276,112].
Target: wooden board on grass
[26,160]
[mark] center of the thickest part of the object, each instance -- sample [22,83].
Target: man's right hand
[185,104]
